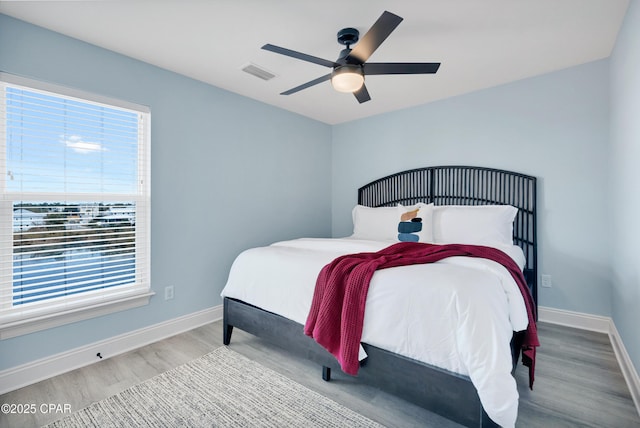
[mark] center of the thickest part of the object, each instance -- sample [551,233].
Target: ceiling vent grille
[258,71]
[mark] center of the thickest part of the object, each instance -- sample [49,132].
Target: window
[74,206]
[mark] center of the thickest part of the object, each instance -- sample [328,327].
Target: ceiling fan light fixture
[347,78]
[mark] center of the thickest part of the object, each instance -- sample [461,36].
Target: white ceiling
[480,43]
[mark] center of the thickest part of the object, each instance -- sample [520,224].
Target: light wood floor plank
[578,381]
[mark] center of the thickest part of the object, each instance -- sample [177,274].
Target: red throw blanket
[336,317]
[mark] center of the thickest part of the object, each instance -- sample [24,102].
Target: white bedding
[457,314]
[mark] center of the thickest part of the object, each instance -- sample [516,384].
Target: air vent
[258,71]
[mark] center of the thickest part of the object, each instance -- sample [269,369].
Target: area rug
[220,389]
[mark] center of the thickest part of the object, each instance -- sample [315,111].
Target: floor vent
[259,72]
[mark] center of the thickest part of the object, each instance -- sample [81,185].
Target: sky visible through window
[59,145]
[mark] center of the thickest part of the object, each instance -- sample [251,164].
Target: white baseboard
[602,325]
[35,371]
[574,319]
[626,366]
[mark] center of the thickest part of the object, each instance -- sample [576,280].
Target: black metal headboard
[466,185]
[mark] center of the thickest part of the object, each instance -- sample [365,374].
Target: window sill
[26,326]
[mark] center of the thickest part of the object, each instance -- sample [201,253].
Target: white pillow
[477,224]
[411,230]
[378,224]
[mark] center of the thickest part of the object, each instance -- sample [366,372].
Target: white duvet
[457,314]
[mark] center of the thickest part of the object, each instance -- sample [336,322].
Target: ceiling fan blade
[362,95]
[307,85]
[299,55]
[377,34]
[373,68]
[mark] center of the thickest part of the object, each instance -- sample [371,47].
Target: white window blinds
[74,207]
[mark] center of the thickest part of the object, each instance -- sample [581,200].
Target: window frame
[14,322]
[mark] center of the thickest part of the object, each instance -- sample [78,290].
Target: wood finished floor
[578,381]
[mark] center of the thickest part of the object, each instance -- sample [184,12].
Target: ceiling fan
[351,66]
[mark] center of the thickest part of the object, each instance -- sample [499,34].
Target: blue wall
[554,127]
[228,173]
[625,181]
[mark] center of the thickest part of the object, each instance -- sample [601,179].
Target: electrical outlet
[168,292]
[546,281]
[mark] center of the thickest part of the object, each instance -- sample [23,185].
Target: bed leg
[226,328]
[326,373]
[486,422]
[226,333]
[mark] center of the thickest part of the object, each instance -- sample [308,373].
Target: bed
[443,389]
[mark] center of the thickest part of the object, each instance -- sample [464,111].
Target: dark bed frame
[446,393]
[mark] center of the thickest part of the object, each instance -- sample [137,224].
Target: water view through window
[60,250]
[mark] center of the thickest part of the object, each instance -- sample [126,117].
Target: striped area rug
[220,389]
